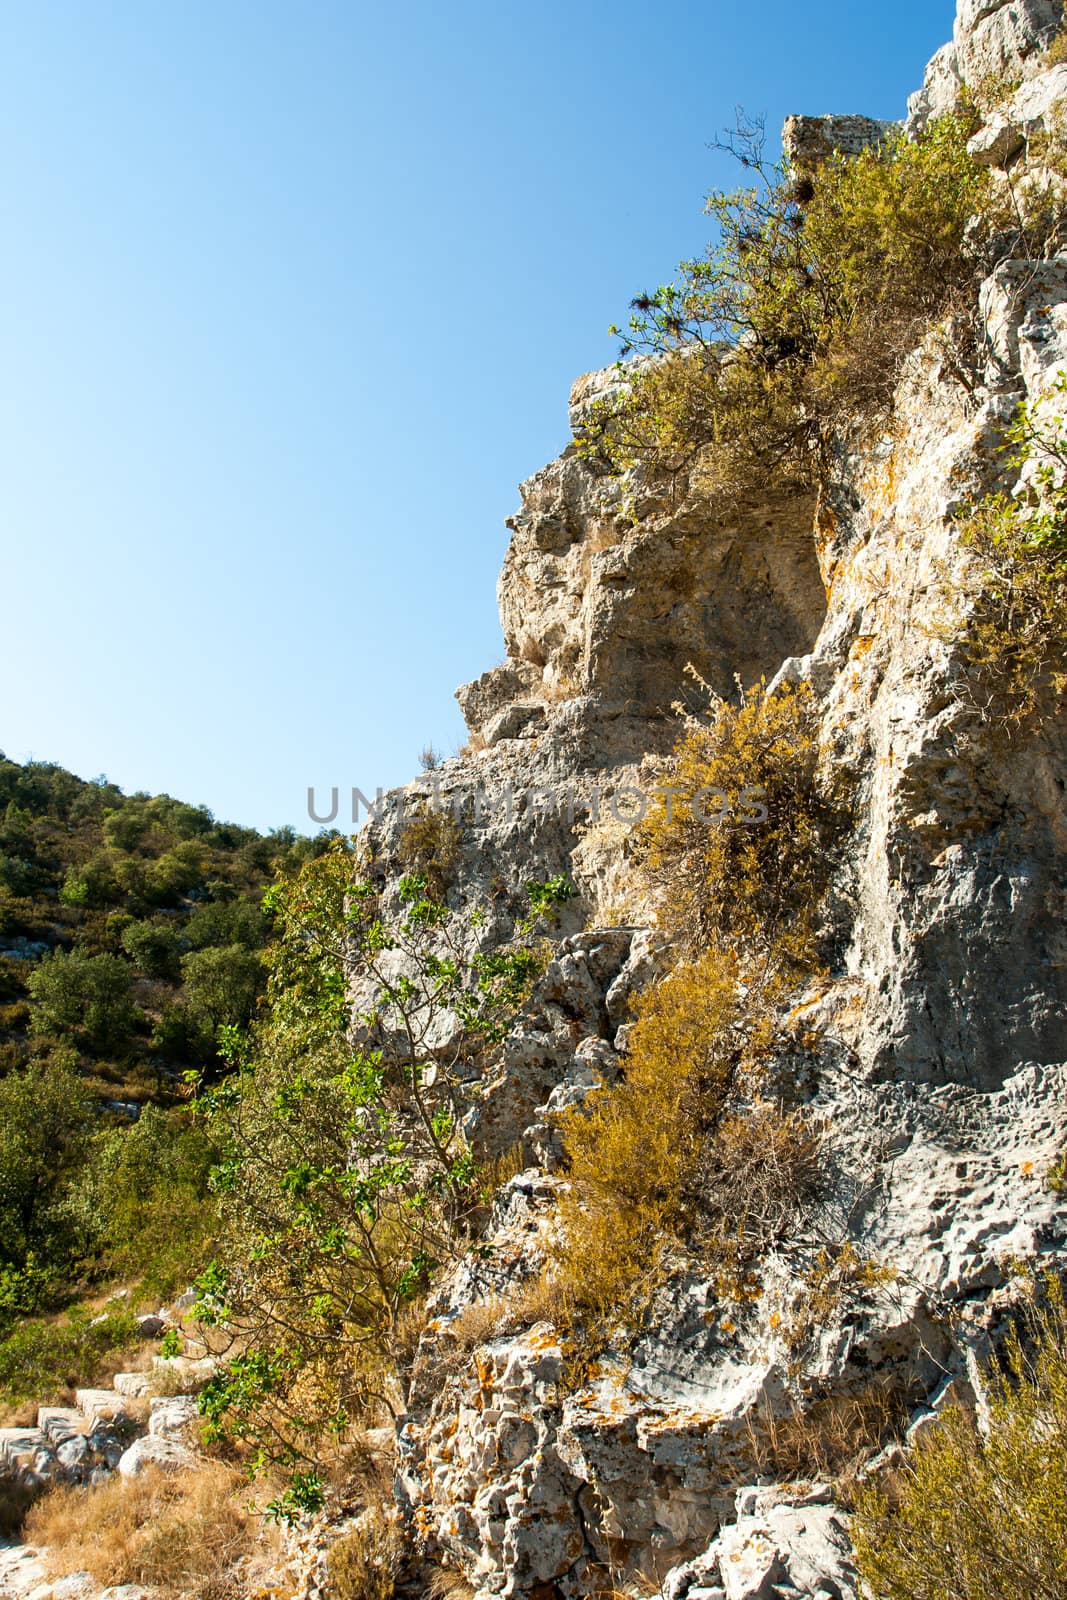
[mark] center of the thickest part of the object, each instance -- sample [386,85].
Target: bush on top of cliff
[980,1515]
[799,314]
[739,857]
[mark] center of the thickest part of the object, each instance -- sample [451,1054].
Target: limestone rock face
[1003,38]
[608,591]
[934,1050]
[807,141]
[993,42]
[774,1548]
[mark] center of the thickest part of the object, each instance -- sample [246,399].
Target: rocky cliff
[934,1050]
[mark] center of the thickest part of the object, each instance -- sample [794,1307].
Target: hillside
[145,915]
[131,931]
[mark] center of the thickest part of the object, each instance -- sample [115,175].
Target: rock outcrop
[935,1051]
[994,42]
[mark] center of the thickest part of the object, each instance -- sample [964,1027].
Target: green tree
[345,1177]
[154,946]
[44,1133]
[222,984]
[84,997]
[151,1186]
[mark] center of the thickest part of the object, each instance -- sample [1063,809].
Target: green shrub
[980,1516]
[151,1185]
[344,1178]
[83,997]
[226,922]
[153,946]
[43,1360]
[44,1133]
[1015,630]
[16,875]
[174,874]
[222,984]
[799,315]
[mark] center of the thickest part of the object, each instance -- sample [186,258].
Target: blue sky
[291,298]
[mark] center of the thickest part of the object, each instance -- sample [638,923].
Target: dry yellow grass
[185,1533]
[631,1157]
[365,1563]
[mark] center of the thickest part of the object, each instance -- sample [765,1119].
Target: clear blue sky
[291,297]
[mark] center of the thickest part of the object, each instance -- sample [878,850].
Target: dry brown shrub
[632,1158]
[757,1175]
[186,1533]
[429,845]
[478,1323]
[1057,50]
[830,1438]
[447,1584]
[753,881]
[558,690]
[365,1563]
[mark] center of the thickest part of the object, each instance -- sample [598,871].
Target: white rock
[102,1405]
[131,1384]
[1031,110]
[174,1417]
[147,1452]
[939,93]
[75,1586]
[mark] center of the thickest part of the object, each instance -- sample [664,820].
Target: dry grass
[478,1323]
[366,1463]
[187,1533]
[830,1439]
[1057,50]
[448,1584]
[556,691]
[365,1564]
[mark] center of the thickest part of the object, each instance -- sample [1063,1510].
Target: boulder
[174,1417]
[808,141]
[802,1551]
[148,1453]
